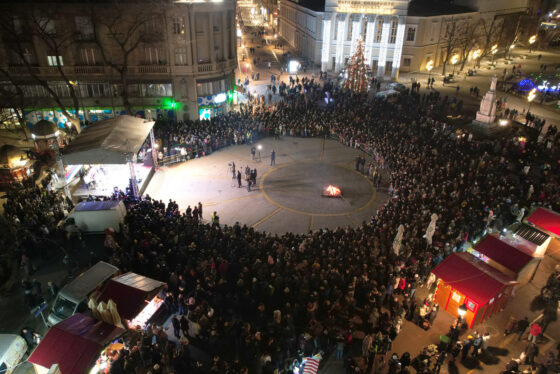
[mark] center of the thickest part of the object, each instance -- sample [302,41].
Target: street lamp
[530,97]
[429,67]
[454,61]
[494,51]
[462,310]
[532,41]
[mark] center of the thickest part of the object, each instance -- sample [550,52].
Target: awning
[503,253]
[129,291]
[471,277]
[74,344]
[546,219]
[108,142]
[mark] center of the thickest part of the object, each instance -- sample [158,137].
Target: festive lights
[383,48]
[340,38]
[326,41]
[357,80]
[398,47]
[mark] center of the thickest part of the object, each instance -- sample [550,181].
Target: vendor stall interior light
[503,122]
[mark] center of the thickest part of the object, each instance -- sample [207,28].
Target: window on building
[393,34]
[16,25]
[410,34]
[87,56]
[349,23]
[178,25]
[153,24]
[47,26]
[153,56]
[364,28]
[388,67]
[156,89]
[53,61]
[407,61]
[84,27]
[199,23]
[374,64]
[216,21]
[379,30]
[180,56]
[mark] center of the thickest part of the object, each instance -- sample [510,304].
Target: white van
[389,95]
[12,350]
[73,297]
[96,216]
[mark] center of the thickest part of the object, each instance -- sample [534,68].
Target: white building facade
[396,36]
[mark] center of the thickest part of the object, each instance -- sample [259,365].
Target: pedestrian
[176,326]
[521,327]
[52,290]
[477,344]
[534,332]
[253,152]
[467,344]
[485,341]
[238,179]
[456,350]
[272,158]
[199,210]
[510,326]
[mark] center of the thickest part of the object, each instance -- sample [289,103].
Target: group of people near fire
[255,302]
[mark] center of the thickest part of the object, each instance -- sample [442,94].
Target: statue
[493,84]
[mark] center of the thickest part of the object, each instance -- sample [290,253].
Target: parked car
[397,87]
[449,79]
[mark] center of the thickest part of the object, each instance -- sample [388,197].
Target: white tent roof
[108,141]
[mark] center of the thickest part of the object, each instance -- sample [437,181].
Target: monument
[486,115]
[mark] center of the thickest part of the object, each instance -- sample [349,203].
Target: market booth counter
[465,280]
[74,344]
[136,298]
[547,221]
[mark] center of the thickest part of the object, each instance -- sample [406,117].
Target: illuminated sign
[383,7]
[220,98]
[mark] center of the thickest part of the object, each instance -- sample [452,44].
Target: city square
[280,187]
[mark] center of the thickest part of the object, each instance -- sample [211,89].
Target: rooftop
[315,5]
[427,8]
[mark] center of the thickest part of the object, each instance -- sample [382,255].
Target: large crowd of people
[255,302]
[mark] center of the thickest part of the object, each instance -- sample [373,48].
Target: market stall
[136,298]
[107,152]
[73,344]
[547,221]
[464,280]
[15,166]
[507,256]
[532,238]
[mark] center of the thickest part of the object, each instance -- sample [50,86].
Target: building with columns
[180,62]
[398,35]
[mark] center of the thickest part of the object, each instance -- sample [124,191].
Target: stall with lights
[463,279]
[15,165]
[74,344]
[136,298]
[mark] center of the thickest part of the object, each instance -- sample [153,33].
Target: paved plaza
[288,195]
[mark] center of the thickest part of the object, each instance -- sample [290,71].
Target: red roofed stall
[73,344]
[508,256]
[464,279]
[135,296]
[547,221]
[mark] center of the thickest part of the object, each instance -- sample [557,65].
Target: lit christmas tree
[357,80]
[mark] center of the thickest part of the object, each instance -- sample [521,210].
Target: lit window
[178,26]
[379,28]
[54,62]
[411,33]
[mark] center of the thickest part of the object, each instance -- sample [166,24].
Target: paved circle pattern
[297,187]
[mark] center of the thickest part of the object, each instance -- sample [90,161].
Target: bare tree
[510,33]
[13,99]
[452,37]
[119,29]
[466,40]
[490,31]
[41,24]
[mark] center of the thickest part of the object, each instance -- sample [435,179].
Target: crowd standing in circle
[254,301]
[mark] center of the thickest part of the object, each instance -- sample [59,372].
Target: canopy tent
[108,142]
[74,344]
[547,220]
[533,238]
[511,257]
[130,291]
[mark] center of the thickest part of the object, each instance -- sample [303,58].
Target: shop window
[471,305]
[456,297]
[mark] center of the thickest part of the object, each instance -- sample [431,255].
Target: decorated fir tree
[357,79]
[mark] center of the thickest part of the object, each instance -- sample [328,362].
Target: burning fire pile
[332,191]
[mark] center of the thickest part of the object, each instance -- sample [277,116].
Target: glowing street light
[429,67]
[476,54]
[530,97]
[454,61]
[532,39]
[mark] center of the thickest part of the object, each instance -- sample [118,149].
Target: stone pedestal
[486,116]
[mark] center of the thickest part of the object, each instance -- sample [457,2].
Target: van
[73,297]
[12,350]
[390,95]
[96,216]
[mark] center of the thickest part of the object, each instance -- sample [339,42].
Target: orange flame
[333,190]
